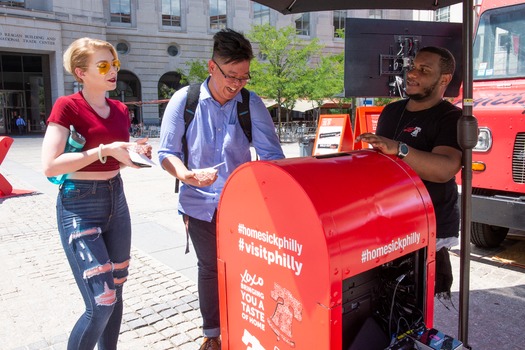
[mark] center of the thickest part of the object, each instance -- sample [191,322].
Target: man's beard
[427,92]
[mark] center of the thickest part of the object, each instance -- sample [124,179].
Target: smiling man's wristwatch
[402,150]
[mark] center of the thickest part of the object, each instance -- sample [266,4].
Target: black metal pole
[467,138]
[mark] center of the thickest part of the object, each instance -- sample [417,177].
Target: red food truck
[498,160]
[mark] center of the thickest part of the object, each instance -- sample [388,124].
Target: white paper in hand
[141,160]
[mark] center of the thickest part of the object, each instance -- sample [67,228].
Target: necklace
[415,115]
[396,133]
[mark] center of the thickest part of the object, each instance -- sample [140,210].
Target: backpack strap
[243,113]
[192,100]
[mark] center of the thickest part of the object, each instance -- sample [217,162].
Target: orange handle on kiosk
[366,121]
[301,241]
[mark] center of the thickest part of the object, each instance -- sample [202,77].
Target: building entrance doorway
[12,105]
[25,89]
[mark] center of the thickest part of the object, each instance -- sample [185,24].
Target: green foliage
[288,68]
[197,72]
[165,92]
[282,70]
[383,101]
[328,79]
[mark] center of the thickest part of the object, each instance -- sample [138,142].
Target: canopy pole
[467,139]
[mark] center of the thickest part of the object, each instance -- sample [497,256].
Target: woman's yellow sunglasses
[105,66]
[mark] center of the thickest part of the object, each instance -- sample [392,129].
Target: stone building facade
[155,40]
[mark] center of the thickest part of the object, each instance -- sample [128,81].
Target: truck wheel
[483,235]
[487,236]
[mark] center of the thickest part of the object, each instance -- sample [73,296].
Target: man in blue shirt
[213,137]
[21,124]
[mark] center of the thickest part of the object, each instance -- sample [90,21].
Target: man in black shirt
[422,130]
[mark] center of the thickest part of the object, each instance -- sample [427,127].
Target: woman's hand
[119,151]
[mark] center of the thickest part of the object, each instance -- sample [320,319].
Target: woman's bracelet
[102,159]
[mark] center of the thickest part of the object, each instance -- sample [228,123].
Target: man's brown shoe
[211,344]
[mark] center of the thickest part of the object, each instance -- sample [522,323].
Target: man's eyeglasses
[231,79]
[105,66]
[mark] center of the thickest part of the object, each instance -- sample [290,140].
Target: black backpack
[192,99]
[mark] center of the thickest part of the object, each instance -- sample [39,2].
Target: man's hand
[200,178]
[380,143]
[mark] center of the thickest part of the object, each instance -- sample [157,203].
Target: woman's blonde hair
[78,53]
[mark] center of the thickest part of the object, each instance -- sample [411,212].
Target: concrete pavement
[40,302]
[38,297]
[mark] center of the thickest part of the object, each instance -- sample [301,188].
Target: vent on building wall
[122,48]
[173,50]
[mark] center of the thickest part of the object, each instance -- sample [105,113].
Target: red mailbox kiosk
[317,252]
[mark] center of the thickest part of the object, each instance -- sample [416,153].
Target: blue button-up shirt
[214,136]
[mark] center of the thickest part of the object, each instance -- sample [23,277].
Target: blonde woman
[92,212]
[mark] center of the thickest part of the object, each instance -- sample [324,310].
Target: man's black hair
[447,63]
[231,46]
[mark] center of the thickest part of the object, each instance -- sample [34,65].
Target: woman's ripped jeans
[95,230]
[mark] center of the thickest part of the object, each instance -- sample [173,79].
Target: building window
[218,19]
[13,3]
[171,13]
[262,57]
[339,23]
[261,14]
[302,24]
[120,11]
[443,14]
[503,40]
[377,14]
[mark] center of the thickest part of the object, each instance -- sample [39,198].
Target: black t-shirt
[424,130]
